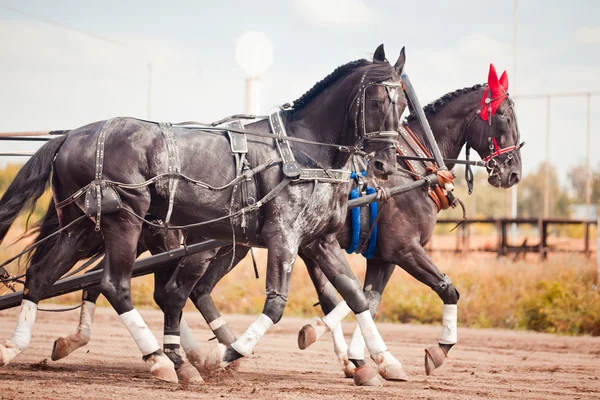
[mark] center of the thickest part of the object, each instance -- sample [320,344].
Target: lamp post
[254,53]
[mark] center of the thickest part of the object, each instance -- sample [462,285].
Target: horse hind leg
[65,345]
[58,259]
[121,234]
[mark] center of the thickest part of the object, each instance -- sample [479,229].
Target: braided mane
[379,71]
[432,107]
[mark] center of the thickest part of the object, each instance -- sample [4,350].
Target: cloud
[334,13]
[588,35]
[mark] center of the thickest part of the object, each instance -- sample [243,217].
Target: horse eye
[376,102]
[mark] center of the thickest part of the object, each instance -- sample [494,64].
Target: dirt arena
[485,364]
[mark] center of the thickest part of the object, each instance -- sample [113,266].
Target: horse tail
[29,184]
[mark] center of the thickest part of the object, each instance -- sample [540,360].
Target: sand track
[485,364]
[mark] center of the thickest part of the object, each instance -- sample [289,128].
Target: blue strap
[355,219]
[353,174]
[373,208]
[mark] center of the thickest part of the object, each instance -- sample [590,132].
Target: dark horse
[122,157]
[406,225]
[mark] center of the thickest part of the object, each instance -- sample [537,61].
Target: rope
[59,309]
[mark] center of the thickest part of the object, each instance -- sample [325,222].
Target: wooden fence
[505,248]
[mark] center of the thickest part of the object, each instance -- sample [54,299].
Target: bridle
[360,129]
[497,126]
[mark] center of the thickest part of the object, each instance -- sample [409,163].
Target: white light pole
[254,53]
[514,190]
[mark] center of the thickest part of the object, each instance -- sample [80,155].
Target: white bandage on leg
[245,343]
[217,323]
[188,341]
[336,315]
[86,318]
[22,333]
[356,350]
[144,339]
[449,330]
[171,339]
[339,341]
[370,333]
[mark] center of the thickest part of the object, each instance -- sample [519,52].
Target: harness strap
[98,183]
[291,169]
[173,165]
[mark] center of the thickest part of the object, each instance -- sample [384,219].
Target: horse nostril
[379,166]
[514,178]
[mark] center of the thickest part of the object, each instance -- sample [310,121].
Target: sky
[67,63]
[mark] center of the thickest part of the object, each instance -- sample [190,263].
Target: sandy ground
[485,364]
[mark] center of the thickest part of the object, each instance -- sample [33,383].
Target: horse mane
[380,72]
[432,107]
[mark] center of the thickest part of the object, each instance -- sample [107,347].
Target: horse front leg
[327,253]
[282,252]
[377,276]
[329,301]
[418,264]
[201,298]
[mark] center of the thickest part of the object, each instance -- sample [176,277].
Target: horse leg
[281,257]
[121,234]
[375,281]
[201,298]
[70,247]
[327,253]
[65,345]
[174,295]
[417,263]
[328,300]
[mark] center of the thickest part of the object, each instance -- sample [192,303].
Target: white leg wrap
[336,315]
[144,339]
[449,330]
[188,342]
[339,341]
[245,343]
[356,351]
[217,323]
[22,333]
[171,339]
[369,331]
[86,318]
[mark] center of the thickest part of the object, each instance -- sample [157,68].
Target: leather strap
[291,169]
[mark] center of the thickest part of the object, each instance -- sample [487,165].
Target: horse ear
[379,55]
[493,81]
[401,60]
[504,81]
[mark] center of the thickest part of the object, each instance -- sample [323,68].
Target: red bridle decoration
[498,92]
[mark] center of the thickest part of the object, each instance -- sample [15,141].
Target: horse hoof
[434,358]
[196,358]
[389,367]
[214,359]
[310,333]
[349,369]
[235,365]
[8,352]
[63,346]
[365,375]
[188,374]
[393,373]
[162,368]
[306,336]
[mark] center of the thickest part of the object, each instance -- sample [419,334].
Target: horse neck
[448,123]
[324,120]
